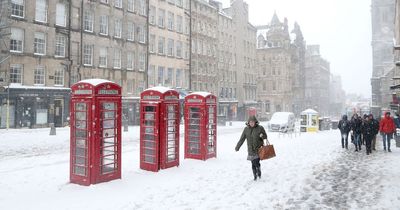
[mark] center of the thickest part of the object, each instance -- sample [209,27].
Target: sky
[342,28]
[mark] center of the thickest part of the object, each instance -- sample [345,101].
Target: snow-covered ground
[310,171]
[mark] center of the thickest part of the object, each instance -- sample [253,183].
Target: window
[117,28]
[152,43]
[171,18]
[88,21]
[179,49]
[16,73]
[40,43]
[103,57]
[118,3]
[129,60]
[187,51]
[142,61]
[39,75]
[179,3]
[131,31]
[104,24]
[59,77]
[161,17]
[60,15]
[131,5]
[178,76]
[179,24]
[41,11]
[142,38]
[17,8]
[160,78]
[171,1]
[17,40]
[117,58]
[104,1]
[151,77]
[187,22]
[87,55]
[161,41]
[168,80]
[152,18]
[170,47]
[142,7]
[60,45]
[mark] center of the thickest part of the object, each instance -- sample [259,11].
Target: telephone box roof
[95,82]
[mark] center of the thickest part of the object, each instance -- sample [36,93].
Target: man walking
[387,128]
[375,126]
[344,127]
[356,124]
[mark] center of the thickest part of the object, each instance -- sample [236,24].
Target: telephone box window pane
[149,108]
[80,115]
[108,133]
[149,123]
[194,148]
[149,130]
[194,133]
[150,144]
[81,143]
[148,137]
[80,133]
[108,123]
[78,170]
[149,159]
[148,151]
[80,107]
[109,168]
[80,161]
[109,115]
[109,106]
[80,152]
[171,136]
[149,116]
[80,124]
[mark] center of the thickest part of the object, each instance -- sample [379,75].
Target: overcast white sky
[341,27]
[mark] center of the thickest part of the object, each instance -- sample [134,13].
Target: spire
[275,19]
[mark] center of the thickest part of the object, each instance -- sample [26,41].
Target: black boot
[259,172]
[255,174]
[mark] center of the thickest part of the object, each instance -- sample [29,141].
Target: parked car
[282,122]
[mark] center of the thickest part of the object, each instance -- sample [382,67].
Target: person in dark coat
[356,127]
[387,128]
[375,125]
[369,133]
[344,127]
[255,135]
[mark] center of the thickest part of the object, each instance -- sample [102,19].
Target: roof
[18,86]
[160,89]
[275,19]
[95,82]
[309,111]
[204,94]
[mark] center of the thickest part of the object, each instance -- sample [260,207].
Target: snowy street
[310,171]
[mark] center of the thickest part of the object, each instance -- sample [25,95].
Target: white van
[282,122]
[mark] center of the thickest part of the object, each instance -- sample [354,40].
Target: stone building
[237,73]
[382,18]
[337,96]
[204,47]
[317,79]
[54,44]
[169,43]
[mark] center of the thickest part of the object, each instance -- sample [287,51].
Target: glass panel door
[108,143]
[150,134]
[211,130]
[194,130]
[81,139]
[171,132]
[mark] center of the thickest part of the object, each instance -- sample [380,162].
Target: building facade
[169,43]
[382,18]
[317,81]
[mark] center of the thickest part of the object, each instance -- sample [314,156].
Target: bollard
[52,129]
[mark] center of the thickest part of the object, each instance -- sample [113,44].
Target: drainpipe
[69,44]
[81,55]
[146,76]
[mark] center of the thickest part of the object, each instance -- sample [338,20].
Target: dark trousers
[255,165]
[345,139]
[368,143]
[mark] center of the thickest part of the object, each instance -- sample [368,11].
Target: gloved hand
[236,149]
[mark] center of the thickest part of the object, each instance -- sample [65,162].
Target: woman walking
[255,135]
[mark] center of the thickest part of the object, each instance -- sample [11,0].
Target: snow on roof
[309,111]
[160,89]
[19,86]
[202,93]
[95,82]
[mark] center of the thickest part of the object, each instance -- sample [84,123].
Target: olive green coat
[254,139]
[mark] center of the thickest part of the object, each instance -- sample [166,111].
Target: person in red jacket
[387,128]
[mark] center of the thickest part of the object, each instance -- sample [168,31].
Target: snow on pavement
[310,171]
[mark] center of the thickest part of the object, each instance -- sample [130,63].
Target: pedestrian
[364,121]
[375,125]
[387,128]
[255,135]
[356,125]
[344,127]
[368,134]
[396,120]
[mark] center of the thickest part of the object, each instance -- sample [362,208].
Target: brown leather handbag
[266,151]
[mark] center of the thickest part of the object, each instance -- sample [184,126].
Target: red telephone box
[200,125]
[159,128]
[95,151]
